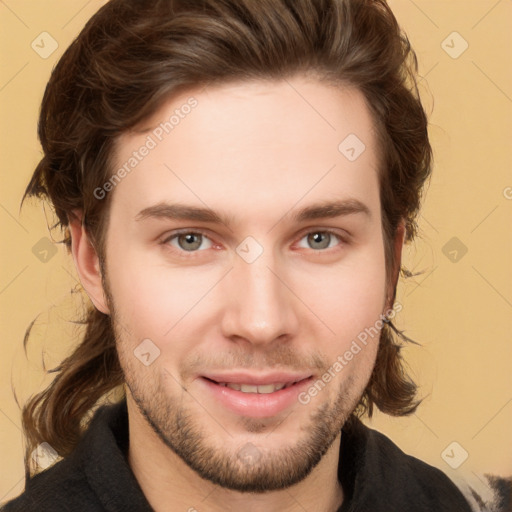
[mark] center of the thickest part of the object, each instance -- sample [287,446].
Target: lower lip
[256,405]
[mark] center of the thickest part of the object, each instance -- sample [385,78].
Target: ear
[87,262]
[398,244]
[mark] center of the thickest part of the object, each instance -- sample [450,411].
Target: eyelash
[192,254]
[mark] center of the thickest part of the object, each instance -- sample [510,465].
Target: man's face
[263,292]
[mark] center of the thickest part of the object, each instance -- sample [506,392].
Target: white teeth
[247,388]
[250,388]
[268,388]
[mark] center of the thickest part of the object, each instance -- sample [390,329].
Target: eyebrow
[324,210]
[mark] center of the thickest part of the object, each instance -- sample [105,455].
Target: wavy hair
[130,58]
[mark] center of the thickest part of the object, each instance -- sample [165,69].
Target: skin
[256,153]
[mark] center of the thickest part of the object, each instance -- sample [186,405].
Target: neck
[165,479]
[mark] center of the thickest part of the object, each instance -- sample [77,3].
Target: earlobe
[87,263]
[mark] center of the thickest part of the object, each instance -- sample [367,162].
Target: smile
[251,388]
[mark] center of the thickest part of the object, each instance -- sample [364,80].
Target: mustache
[284,358]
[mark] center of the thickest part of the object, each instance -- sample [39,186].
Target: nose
[259,306]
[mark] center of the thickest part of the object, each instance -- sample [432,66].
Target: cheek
[350,297]
[350,303]
[150,299]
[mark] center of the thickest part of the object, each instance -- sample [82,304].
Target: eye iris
[321,238]
[318,240]
[188,238]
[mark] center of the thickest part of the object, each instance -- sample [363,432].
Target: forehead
[251,145]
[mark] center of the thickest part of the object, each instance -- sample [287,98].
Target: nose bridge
[259,307]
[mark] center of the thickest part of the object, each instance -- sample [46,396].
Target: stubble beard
[240,466]
[246,467]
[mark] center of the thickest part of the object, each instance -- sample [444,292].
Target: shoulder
[482,493]
[94,477]
[417,480]
[66,485]
[62,487]
[403,482]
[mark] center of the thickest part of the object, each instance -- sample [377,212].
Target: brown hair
[129,59]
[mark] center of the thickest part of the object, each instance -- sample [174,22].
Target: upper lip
[257,379]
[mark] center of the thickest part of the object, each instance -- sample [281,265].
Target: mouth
[263,389]
[254,400]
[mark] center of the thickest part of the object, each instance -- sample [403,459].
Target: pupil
[189,241]
[321,239]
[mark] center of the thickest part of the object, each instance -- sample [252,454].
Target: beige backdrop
[459,308]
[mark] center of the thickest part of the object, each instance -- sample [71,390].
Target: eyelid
[343,236]
[340,233]
[185,231]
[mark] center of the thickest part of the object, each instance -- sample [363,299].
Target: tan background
[460,308]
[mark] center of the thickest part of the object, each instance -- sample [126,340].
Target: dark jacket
[375,474]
